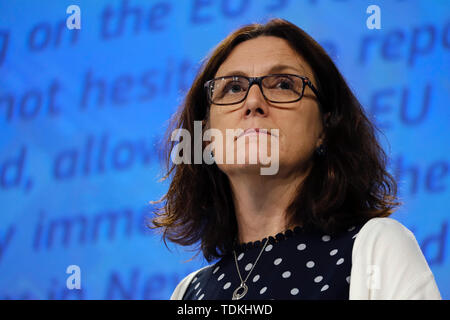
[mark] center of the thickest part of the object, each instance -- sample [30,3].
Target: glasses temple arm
[318,95]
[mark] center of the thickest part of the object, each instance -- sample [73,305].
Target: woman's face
[299,124]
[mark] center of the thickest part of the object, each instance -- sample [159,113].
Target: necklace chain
[236,295]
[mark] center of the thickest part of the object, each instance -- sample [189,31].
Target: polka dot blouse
[294,265]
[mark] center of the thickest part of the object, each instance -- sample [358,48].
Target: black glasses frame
[258,81]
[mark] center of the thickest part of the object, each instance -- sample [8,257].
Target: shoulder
[379,232]
[180,289]
[386,241]
[387,263]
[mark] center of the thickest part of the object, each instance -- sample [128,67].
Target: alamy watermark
[374,20]
[74,20]
[74,280]
[373,277]
[260,142]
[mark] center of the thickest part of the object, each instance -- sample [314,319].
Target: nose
[255,103]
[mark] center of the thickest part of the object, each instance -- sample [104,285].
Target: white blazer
[387,264]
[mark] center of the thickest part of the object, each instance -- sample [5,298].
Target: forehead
[256,57]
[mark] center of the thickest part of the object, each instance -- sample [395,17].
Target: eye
[284,84]
[280,82]
[232,88]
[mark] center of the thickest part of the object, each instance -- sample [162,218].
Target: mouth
[255,131]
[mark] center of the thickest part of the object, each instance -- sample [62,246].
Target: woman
[318,228]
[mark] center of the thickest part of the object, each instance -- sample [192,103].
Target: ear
[205,126]
[326,118]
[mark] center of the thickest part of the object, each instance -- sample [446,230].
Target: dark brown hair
[347,186]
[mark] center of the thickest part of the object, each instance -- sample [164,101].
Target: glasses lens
[282,88]
[228,90]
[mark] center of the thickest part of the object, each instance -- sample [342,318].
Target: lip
[255,131]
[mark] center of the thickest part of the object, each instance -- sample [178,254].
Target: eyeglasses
[276,88]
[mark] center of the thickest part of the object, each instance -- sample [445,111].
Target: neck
[261,202]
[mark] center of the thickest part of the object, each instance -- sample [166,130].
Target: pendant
[236,295]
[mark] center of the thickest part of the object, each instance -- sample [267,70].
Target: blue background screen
[81,111]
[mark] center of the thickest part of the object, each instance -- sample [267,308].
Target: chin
[240,169]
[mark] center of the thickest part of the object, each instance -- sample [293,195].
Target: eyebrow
[273,69]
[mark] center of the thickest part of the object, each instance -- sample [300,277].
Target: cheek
[220,120]
[298,138]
